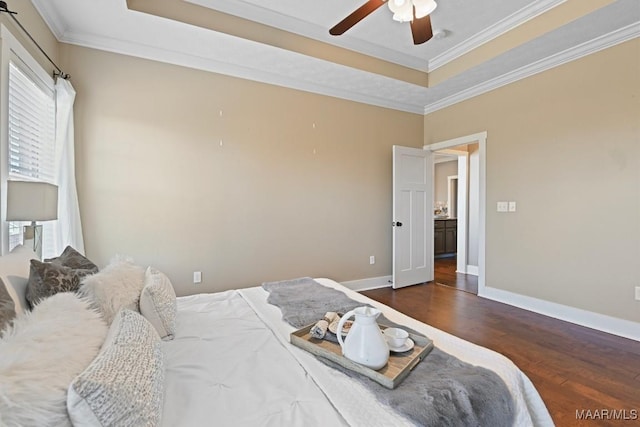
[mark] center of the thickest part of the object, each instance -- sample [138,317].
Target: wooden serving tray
[390,375]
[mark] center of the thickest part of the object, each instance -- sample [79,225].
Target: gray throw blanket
[440,391]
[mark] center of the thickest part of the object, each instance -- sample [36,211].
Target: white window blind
[31,129]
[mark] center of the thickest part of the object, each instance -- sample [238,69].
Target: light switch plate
[503,206]
[512,206]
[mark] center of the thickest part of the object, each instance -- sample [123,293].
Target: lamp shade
[31,201]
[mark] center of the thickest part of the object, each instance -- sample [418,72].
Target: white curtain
[69,228]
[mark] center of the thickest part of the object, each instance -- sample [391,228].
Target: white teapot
[364,343]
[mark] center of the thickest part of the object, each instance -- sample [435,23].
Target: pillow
[14,272]
[158,303]
[42,352]
[7,307]
[74,259]
[124,385]
[46,279]
[116,286]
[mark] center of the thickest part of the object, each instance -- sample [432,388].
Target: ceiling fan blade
[358,15]
[421,29]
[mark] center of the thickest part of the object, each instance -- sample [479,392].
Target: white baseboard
[370,283]
[600,322]
[469,269]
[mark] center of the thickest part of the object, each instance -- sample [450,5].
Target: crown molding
[174,57]
[599,43]
[499,28]
[51,17]
[55,23]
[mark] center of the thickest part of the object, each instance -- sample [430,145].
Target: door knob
[397,224]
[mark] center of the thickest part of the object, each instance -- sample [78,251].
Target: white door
[412,216]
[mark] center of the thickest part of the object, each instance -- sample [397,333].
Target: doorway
[463,269]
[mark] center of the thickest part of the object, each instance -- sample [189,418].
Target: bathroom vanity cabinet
[445,236]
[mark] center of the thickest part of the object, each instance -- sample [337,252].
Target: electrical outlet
[637,293]
[197,276]
[503,206]
[372,259]
[512,206]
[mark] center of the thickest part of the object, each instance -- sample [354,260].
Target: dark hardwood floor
[574,368]
[445,274]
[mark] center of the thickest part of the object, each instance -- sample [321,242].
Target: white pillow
[14,272]
[158,303]
[124,385]
[116,286]
[41,353]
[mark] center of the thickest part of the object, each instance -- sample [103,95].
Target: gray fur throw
[440,391]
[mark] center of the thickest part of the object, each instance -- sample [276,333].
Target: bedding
[75,260]
[441,390]
[124,384]
[7,307]
[225,364]
[158,303]
[41,353]
[231,351]
[116,286]
[14,272]
[229,363]
[47,279]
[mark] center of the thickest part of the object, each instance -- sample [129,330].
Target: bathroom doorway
[459,198]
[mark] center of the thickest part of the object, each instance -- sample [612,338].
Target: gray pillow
[7,308]
[74,259]
[124,385]
[14,271]
[47,279]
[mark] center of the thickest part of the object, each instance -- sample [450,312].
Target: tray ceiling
[286,42]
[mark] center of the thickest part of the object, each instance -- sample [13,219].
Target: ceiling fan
[414,11]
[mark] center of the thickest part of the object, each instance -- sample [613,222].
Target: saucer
[408,345]
[333,327]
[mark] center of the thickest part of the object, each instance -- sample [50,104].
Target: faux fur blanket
[440,391]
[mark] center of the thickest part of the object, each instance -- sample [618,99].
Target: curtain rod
[59,73]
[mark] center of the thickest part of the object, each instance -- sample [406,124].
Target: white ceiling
[378,35]
[109,25]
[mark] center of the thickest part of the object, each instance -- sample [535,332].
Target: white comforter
[231,364]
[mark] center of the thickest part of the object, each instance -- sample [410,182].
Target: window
[31,128]
[31,138]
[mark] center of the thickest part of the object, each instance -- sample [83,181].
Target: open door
[412,216]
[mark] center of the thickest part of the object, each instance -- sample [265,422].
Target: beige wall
[441,171]
[155,184]
[564,144]
[29,17]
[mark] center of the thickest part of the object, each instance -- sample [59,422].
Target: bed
[311,393]
[225,359]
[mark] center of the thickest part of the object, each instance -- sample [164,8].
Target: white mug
[396,337]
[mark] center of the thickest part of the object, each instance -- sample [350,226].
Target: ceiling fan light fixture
[424,7]
[402,10]
[416,12]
